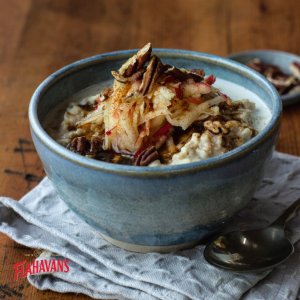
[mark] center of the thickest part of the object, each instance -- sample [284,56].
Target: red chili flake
[210,79]
[96,107]
[109,131]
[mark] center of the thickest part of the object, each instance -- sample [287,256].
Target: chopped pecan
[146,157]
[73,127]
[88,106]
[95,144]
[81,142]
[215,127]
[72,145]
[153,72]
[77,144]
[138,75]
[106,94]
[136,62]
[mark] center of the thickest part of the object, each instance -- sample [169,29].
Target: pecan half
[183,75]
[146,157]
[153,72]
[166,67]
[77,144]
[136,62]
[197,74]
[138,75]
[177,73]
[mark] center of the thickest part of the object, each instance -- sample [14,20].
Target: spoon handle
[287,215]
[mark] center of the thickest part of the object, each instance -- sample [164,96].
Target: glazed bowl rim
[161,171]
[284,98]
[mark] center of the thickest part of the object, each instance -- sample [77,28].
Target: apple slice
[210,79]
[194,100]
[195,89]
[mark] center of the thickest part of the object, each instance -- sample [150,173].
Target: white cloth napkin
[42,220]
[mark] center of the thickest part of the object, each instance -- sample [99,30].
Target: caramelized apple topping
[157,113]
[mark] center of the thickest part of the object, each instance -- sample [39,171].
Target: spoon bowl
[253,250]
[250,250]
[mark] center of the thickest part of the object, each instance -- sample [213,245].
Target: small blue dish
[159,209]
[277,58]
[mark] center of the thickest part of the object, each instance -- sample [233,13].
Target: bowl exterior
[161,206]
[157,211]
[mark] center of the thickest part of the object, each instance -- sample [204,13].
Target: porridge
[157,115]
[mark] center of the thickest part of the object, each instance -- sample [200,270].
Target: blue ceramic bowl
[277,58]
[154,209]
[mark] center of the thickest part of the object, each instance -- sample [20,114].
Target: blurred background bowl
[277,58]
[154,209]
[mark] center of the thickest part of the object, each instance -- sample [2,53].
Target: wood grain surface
[37,37]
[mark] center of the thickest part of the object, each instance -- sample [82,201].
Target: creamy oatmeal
[157,115]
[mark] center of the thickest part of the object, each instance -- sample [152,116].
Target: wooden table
[37,37]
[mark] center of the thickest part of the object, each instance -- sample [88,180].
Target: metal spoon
[253,250]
